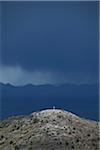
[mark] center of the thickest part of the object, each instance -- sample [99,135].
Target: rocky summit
[51,129]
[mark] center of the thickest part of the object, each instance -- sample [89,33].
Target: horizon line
[49,84]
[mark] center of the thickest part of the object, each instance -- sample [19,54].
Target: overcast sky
[49,42]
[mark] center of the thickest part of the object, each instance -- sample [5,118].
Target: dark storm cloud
[52,36]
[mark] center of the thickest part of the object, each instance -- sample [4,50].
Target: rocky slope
[51,129]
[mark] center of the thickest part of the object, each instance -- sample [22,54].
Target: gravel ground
[51,129]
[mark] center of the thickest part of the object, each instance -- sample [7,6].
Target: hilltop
[51,129]
[81,99]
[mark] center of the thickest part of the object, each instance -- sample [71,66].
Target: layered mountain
[81,99]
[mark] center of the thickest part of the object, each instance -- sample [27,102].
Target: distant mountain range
[81,99]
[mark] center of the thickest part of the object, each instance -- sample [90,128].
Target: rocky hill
[51,129]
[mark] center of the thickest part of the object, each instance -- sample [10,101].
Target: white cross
[54,107]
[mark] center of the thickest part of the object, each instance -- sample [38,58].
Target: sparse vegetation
[50,130]
[11,142]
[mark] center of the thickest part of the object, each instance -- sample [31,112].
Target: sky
[49,42]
